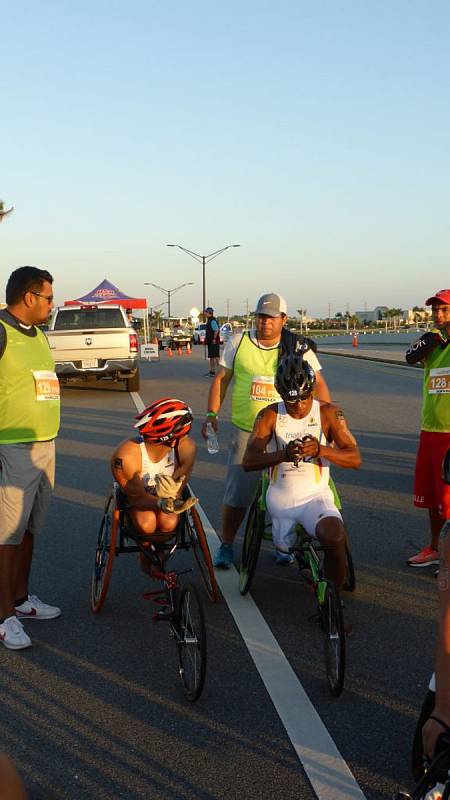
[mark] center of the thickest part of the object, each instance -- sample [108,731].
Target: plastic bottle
[212,441]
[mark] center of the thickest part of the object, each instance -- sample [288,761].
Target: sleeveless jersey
[29,389]
[436,391]
[309,477]
[150,469]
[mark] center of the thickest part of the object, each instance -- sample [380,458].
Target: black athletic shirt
[27,330]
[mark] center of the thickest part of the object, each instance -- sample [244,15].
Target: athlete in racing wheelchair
[153,469]
[298,438]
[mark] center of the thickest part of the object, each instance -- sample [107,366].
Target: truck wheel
[133,383]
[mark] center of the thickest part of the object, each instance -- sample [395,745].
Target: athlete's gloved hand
[293,451]
[166,486]
[310,447]
[171,506]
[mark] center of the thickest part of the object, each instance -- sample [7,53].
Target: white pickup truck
[93,342]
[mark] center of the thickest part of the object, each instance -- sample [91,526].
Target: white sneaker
[33,608]
[12,634]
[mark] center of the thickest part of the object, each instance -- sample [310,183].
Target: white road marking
[328,773]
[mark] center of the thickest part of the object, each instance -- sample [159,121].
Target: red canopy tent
[108,294]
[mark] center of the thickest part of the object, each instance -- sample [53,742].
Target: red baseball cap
[443,296]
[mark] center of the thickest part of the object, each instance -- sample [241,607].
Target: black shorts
[213,350]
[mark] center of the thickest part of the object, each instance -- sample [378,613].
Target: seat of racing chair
[157,537]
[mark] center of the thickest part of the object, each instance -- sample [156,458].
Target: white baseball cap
[273,305]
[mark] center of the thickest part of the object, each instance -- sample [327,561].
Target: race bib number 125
[47,385]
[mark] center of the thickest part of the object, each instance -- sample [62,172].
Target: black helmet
[294,379]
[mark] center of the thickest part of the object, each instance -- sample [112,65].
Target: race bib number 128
[439,381]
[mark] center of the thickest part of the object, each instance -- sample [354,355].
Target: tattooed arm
[346,452]
[125,466]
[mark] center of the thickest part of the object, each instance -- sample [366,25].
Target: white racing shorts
[307,513]
[27,477]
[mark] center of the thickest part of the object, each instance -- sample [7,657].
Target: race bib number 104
[47,385]
[439,381]
[263,389]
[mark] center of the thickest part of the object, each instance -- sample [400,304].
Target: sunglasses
[48,297]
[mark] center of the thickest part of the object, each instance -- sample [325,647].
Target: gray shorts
[27,478]
[240,486]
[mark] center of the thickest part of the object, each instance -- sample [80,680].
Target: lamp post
[168,292]
[204,260]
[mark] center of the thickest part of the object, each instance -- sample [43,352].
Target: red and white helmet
[165,420]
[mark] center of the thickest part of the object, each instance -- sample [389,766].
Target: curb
[378,359]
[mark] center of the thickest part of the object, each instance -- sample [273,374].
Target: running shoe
[36,609]
[224,556]
[283,559]
[12,634]
[426,557]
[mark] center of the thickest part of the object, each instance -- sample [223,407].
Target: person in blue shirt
[212,340]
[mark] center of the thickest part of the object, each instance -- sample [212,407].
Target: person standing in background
[29,423]
[212,340]
[430,490]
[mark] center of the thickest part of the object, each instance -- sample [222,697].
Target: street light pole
[168,292]
[204,260]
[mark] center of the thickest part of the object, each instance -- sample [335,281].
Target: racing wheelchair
[179,605]
[308,555]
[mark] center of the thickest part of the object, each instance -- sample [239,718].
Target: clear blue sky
[314,134]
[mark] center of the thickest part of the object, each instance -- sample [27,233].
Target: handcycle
[179,605]
[308,554]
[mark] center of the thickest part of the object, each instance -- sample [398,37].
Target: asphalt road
[96,710]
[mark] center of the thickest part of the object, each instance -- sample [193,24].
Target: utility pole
[228,309]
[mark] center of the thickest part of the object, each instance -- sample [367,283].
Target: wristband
[211,414]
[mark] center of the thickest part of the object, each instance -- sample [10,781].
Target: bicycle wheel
[350,579]
[333,627]
[251,545]
[190,638]
[202,555]
[417,756]
[104,554]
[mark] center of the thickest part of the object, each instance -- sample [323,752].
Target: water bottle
[212,441]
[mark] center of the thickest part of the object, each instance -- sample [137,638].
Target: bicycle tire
[104,554]
[333,628]
[254,531]
[190,637]
[417,757]
[350,578]
[202,554]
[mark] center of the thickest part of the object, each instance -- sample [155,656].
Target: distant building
[411,316]
[377,315]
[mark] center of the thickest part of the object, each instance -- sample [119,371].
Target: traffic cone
[188,349]
[169,352]
[179,351]
[355,340]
